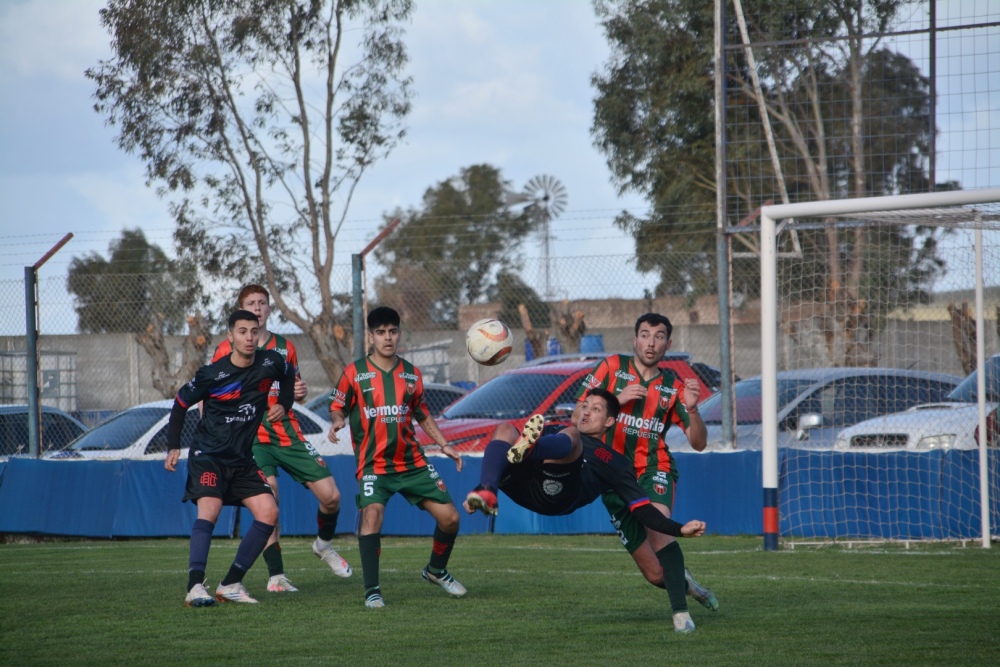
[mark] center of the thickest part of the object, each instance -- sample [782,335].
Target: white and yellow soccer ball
[489,342]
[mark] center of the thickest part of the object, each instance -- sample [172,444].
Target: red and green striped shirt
[641,425]
[286,432]
[380,407]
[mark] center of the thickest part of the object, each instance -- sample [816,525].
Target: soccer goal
[904,290]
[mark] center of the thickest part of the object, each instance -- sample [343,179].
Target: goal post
[972,211]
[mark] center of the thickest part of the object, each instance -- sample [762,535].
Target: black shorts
[551,489]
[207,478]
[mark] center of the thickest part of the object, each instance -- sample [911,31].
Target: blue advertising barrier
[905,495]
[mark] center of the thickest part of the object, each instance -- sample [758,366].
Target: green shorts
[300,460]
[415,486]
[659,487]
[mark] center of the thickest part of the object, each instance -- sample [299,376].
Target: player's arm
[341,399]
[191,393]
[431,429]
[301,388]
[651,518]
[696,432]
[286,389]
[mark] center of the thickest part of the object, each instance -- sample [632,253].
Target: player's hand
[692,392]
[275,413]
[301,389]
[338,423]
[693,528]
[450,452]
[631,393]
[170,463]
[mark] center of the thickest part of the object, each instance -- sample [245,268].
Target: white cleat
[233,593]
[198,597]
[374,601]
[445,581]
[279,583]
[333,559]
[529,436]
[683,623]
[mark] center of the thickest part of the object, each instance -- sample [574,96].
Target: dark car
[58,429]
[545,386]
[438,397]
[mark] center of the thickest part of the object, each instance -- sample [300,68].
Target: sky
[503,83]
[500,82]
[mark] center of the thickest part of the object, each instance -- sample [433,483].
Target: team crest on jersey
[441,485]
[265,385]
[661,489]
[551,487]
[410,389]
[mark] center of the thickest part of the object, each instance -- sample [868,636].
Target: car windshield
[748,397]
[120,431]
[321,404]
[510,396]
[968,391]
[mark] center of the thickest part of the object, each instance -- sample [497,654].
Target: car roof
[826,374]
[594,357]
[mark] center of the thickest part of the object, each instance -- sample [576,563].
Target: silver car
[950,424]
[815,405]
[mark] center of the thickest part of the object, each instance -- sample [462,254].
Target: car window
[308,425]
[968,390]
[158,443]
[509,396]
[438,399]
[120,431]
[748,400]
[57,431]
[321,404]
[13,434]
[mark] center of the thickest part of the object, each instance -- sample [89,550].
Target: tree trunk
[195,346]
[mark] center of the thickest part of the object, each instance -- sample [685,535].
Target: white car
[950,424]
[140,432]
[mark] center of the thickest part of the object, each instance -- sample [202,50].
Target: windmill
[546,199]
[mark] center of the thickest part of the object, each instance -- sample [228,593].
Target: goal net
[880,368]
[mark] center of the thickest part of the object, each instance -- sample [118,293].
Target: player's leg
[530,434]
[484,496]
[203,487]
[375,492]
[266,457]
[327,513]
[249,486]
[426,489]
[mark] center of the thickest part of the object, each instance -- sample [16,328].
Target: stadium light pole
[358,302]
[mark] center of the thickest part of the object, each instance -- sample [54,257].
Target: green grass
[532,600]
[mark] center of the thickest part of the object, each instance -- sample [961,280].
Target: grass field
[532,600]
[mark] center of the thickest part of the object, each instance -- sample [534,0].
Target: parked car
[57,429]
[952,423]
[547,385]
[140,432]
[438,396]
[815,405]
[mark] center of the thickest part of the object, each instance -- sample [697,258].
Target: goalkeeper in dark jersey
[221,467]
[560,473]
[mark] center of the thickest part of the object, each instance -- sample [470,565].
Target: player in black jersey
[221,467]
[560,473]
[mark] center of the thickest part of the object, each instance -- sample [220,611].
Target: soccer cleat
[483,499]
[233,593]
[279,583]
[374,601]
[445,581]
[705,597]
[683,623]
[198,597]
[529,436]
[333,559]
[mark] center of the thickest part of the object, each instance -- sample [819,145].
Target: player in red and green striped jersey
[381,395]
[280,444]
[652,400]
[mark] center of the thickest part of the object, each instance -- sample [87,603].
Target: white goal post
[973,210]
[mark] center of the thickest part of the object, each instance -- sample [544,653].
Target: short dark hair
[381,316]
[614,407]
[241,316]
[655,320]
[252,288]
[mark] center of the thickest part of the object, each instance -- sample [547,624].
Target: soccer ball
[489,342]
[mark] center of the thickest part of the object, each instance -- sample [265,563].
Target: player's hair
[382,316]
[252,288]
[241,316]
[654,320]
[614,407]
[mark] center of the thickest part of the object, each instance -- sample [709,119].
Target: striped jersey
[641,425]
[286,432]
[380,407]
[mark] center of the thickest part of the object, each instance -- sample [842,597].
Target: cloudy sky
[505,83]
